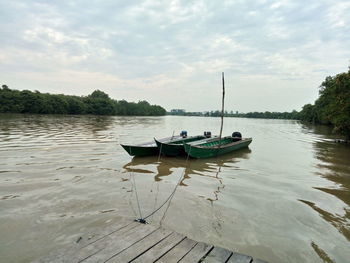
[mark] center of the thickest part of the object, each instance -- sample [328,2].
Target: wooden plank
[178,252]
[160,249]
[199,251]
[256,260]
[128,241]
[121,242]
[67,254]
[218,254]
[92,236]
[239,258]
[140,247]
[100,244]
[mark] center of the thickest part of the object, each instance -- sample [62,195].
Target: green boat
[145,149]
[214,147]
[175,147]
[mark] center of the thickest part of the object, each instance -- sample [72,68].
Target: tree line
[97,103]
[331,108]
[260,115]
[333,104]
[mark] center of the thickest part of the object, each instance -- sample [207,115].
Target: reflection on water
[166,166]
[321,253]
[339,222]
[334,166]
[285,199]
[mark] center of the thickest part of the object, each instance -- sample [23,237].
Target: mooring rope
[178,183]
[143,219]
[131,194]
[137,197]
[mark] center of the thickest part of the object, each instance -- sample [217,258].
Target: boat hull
[138,150]
[147,148]
[208,151]
[176,147]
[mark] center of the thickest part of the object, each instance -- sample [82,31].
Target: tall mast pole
[223,102]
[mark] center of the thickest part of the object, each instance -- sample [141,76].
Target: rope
[131,194]
[156,198]
[137,197]
[173,193]
[143,220]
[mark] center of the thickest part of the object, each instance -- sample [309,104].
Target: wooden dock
[131,241]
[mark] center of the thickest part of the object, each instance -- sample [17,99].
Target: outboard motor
[237,136]
[207,134]
[183,134]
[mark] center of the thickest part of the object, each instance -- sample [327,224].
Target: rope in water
[137,197]
[143,219]
[182,175]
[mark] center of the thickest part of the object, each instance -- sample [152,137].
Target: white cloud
[339,14]
[150,49]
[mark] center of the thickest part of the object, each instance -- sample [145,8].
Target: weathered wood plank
[160,249]
[218,254]
[122,242]
[199,251]
[239,258]
[140,247]
[92,236]
[128,241]
[100,244]
[67,254]
[178,252]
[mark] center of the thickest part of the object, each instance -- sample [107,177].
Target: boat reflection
[166,166]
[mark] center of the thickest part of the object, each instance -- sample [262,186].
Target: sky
[275,54]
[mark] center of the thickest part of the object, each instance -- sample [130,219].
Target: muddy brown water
[284,199]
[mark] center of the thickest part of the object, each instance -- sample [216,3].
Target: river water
[284,199]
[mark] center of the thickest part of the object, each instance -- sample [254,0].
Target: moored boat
[175,147]
[216,146]
[145,149]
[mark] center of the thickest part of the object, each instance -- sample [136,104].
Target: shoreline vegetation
[332,107]
[97,103]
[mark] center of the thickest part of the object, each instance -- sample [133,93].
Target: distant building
[195,113]
[178,111]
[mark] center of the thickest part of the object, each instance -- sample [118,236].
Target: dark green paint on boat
[141,150]
[145,149]
[175,147]
[215,147]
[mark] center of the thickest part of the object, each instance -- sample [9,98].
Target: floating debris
[107,211]
[6,197]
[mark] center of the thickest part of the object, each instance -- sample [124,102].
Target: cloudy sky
[274,54]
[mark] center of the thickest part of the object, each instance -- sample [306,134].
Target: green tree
[5,87]
[76,105]
[32,103]
[333,105]
[99,94]
[308,113]
[98,103]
